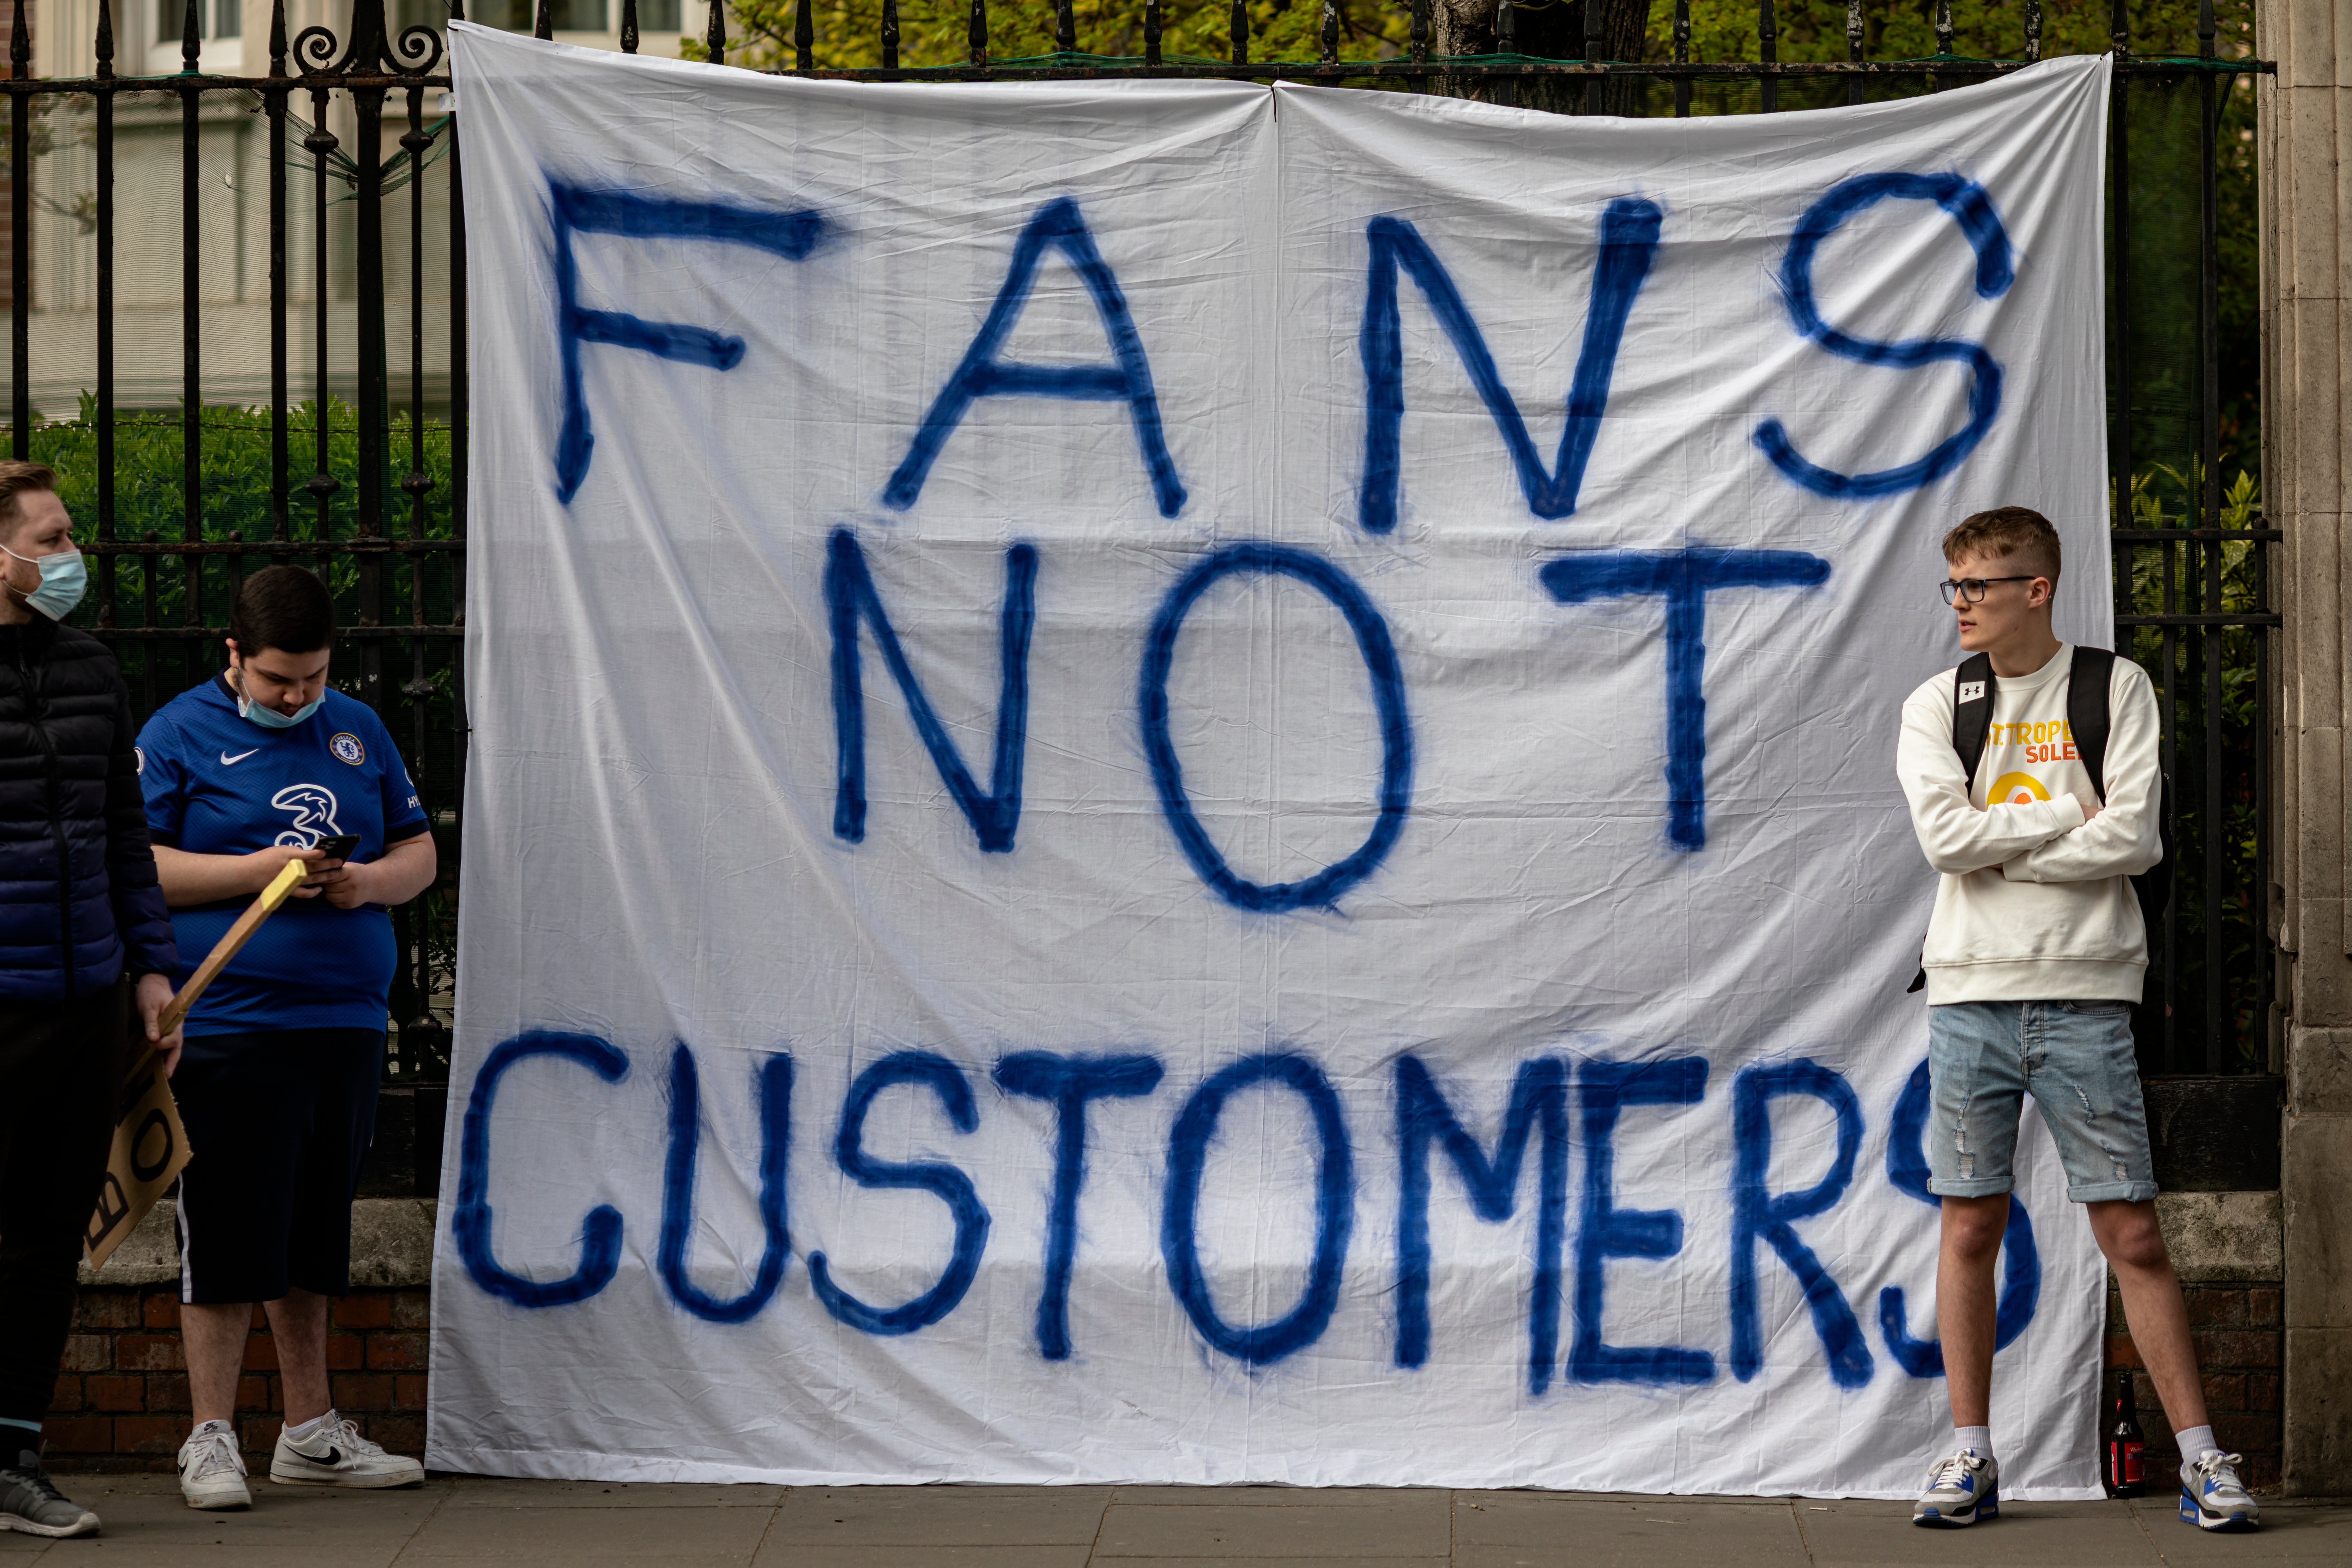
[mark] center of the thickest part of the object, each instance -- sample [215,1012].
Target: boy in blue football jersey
[278,1082]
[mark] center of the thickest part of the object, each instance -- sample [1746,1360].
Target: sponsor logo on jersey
[138,760]
[347,748]
[313,806]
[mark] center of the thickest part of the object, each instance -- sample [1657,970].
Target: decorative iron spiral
[315,49]
[416,52]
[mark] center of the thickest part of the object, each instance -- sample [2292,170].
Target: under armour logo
[1971,692]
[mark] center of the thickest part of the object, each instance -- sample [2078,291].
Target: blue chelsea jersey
[217,783]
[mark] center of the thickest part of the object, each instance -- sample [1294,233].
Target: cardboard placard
[150,1147]
[150,1144]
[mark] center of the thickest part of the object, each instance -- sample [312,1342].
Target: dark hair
[16,479]
[284,608]
[2007,530]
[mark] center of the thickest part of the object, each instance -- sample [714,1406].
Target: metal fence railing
[267,360]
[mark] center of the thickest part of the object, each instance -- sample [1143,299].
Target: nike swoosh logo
[334,1456]
[226,759]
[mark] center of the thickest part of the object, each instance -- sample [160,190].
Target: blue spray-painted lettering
[1972,209]
[576,211]
[1629,240]
[2021,1291]
[1335,1211]
[982,374]
[1323,888]
[944,1182]
[1068,1082]
[1607,1231]
[849,594]
[776,1076]
[600,1234]
[1760,1214]
[1538,1107]
[1683,578]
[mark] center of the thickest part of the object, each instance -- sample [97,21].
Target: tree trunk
[1555,31]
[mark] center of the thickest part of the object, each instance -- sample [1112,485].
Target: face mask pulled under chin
[270,718]
[64,579]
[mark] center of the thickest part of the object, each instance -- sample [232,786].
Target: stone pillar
[2306,201]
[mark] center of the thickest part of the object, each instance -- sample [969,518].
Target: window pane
[228,19]
[657,16]
[580,17]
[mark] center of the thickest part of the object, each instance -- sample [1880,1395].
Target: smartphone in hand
[338,847]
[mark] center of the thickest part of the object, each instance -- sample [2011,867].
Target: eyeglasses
[1974,587]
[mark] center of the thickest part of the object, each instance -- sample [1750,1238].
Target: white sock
[1976,1437]
[309,1430]
[2195,1441]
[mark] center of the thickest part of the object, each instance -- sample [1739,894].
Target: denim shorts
[2075,1057]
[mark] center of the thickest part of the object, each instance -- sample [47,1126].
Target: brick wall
[121,1399]
[2239,1331]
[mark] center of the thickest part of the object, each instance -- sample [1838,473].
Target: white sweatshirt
[2036,903]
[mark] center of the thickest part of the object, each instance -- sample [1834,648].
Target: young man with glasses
[2035,956]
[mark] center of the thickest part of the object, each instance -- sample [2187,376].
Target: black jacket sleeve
[141,919]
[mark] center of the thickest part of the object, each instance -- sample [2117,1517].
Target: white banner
[1178,781]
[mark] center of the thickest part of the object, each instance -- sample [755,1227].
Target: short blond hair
[2007,530]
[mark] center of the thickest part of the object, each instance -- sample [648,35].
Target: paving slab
[2025,1534]
[467,1523]
[1404,1524]
[147,1520]
[695,1534]
[1519,1530]
[826,1517]
[498,1491]
[2291,1532]
[793,1556]
[1277,1496]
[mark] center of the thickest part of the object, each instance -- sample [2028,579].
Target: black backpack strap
[1972,694]
[2087,713]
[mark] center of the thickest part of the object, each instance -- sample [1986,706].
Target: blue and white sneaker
[2211,1496]
[1961,1490]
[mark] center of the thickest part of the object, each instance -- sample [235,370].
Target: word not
[1548,1096]
[1683,578]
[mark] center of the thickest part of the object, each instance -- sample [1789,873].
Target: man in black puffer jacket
[82,926]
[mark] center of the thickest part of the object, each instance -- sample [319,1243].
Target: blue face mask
[270,718]
[64,580]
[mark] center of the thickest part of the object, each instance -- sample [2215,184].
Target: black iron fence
[239,327]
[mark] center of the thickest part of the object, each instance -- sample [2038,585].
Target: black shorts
[277,1124]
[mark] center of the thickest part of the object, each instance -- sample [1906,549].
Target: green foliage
[847,33]
[236,500]
[2207,680]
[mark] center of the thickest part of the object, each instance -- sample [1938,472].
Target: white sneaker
[1961,1490]
[337,1455]
[2211,1496]
[212,1470]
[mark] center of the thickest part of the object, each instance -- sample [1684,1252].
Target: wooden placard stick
[150,1144]
[261,908]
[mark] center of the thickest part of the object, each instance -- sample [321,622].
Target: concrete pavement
[454,1521]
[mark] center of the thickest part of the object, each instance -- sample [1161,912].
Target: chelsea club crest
[347,748]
